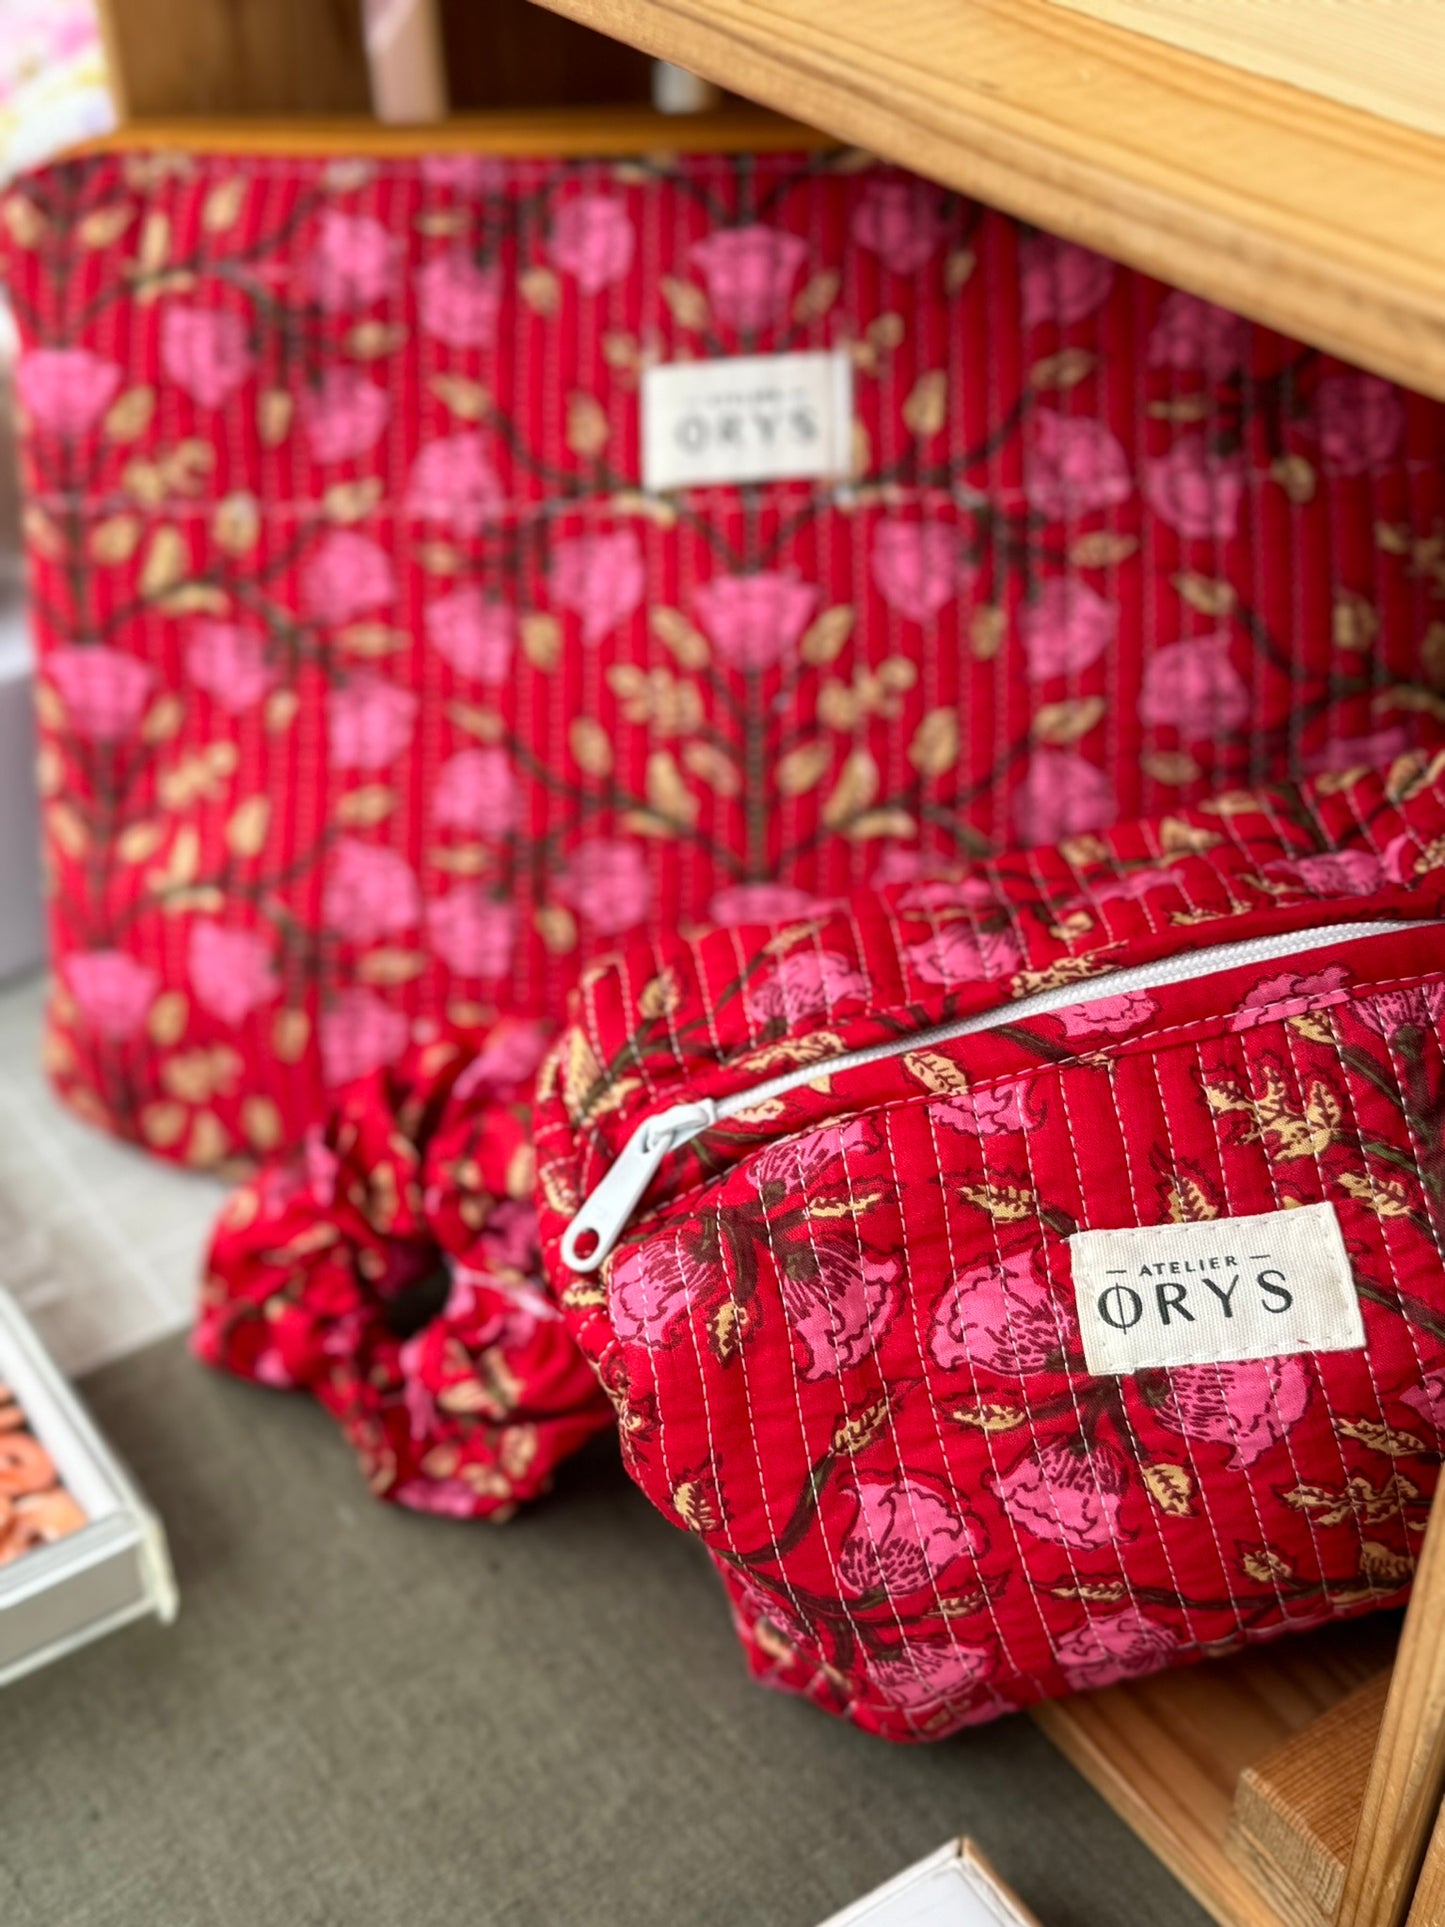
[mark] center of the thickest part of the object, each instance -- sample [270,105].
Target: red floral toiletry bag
[1030,1279]
[379,688]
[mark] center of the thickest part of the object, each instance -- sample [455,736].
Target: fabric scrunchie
[390,1267]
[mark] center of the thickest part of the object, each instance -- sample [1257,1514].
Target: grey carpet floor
[365,1719]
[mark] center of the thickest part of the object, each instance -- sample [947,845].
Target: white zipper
[613,1201]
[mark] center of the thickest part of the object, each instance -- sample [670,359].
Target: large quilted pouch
[377,693]
[1030,1279]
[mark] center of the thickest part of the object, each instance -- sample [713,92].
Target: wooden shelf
[1168,1752]
[1314,217]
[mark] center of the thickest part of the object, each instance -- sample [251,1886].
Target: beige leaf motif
[163,719]
[468,400]
[261,1121]
[116,538]
[236,523]
[667,793]
[1208,595]
[660,996]
[958,269]
[1295,476]
[855,789]
[1354,622]
[816,296]
[557,927]
[1386,1197]
[290,1033]
[693,1504]
[485,724]
[390,965]
[860,1427]
[1062,371]
[935,1072]
[541,639]
[1264,1565]
[1190,1203]
[165,561]
[1004,1203]
[686,302]
[588,429]
[875,823]
[541,290]
[823,640]
[249,826]
[130,414]
[621,350]
[195,598]
[1173,766]
[1382,1438]
[989,1415]
[273,416]
[371,640]
[1179,837]
[167,1018]
[162,1123]
[371,339]
[1069,720]
[679,637]
[934,749]
[926,409]
[222,206]
[104,226]
[1385,1568]
[155,242]
[24,221]
[987,627]
[712,766]
[591,746]
[461,859]
[347,502]
[803,768]
[1101,549]
[1172,1489]
[438,223]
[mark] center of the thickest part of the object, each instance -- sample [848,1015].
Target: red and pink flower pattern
[339,543]
[926,1510]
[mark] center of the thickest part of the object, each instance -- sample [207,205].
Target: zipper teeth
[1116,983]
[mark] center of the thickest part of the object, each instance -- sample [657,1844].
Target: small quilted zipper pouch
[1029,1278]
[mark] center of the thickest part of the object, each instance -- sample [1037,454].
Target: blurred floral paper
[53,87]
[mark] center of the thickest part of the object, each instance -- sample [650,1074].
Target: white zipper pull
[605,1214]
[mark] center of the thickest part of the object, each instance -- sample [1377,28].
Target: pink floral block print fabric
[376,693]
[841,1331]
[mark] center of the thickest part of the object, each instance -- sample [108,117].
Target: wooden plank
[1297,1810]
[574,130]
[1407,1777]
[1310,216]
[1373,54]
[1167,1752]
[220,57]
[1428,1907]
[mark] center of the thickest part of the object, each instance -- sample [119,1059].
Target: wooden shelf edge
[1167,1752]
[523,132]
[1311,217]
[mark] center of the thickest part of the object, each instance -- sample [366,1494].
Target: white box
[955,1887]
[114,1568]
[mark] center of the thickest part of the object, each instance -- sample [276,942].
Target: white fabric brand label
[1222,1289]
[746,418]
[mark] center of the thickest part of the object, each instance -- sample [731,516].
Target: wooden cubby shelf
[1314,217]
